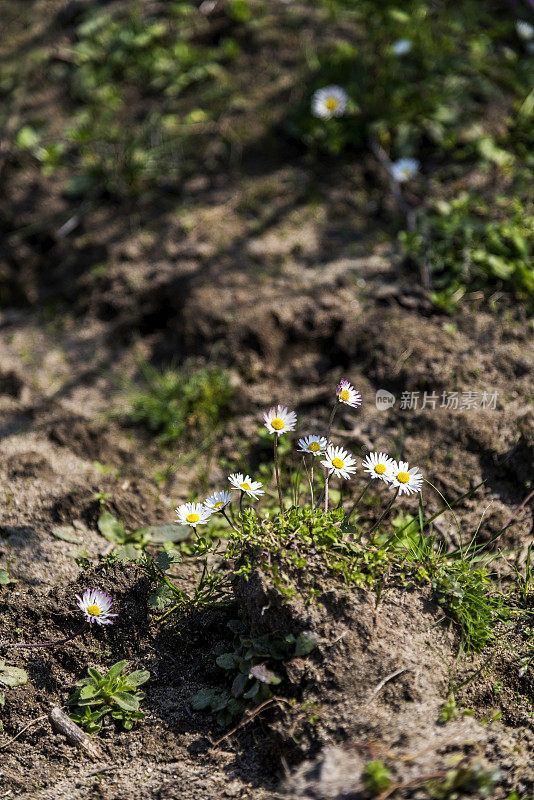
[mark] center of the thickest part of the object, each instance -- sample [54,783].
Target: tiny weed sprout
[114,693]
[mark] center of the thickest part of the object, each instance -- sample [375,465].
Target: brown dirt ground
[289,294]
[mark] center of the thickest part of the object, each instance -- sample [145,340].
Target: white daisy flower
[378,465]
[331,101]
[346,393]
[524,30]
[404,169]
[314,445]
[218,501]
[193,514]
[339,461]
[279,420]
[401,47]
[95,605]
[246,484]
[407,480]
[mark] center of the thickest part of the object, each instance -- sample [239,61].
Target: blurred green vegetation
[180,402]
[149,93]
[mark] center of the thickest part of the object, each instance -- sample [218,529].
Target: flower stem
[355,505]
[310,478]
[278,475]
[227,518]
[326,490]
[52,644]
[381,517]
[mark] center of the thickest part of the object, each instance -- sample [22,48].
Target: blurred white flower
[524,30]
[314,445]
[331,101]
[401,47]
[218,501]
[403,169]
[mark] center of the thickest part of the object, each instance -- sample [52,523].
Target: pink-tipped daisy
[314,445]
[279,420]
[379,465]
[218,501]
[192,514]
[95,605]
[408,480]
[340,462]
[245,484]
[346,393]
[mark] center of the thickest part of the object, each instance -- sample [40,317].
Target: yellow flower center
[218,504]
[278,424]
[94,611]
[403,477]
[332,103]
[245,487]
[314,447]
[380,469]
[192,518]
[337,463]
[344,395]
[406,173]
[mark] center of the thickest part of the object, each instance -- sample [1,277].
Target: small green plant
[212,590]
[5,577]
[113,693]
[470,245]
[129,545]
[376,777]
[473,777]
[174,403]
[10,677]
[248,671]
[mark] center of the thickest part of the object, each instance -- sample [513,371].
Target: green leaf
[27,138]
[113,530]
[238,686]
[86,692]
[138,677]
[165,558]
[4,577]
[219,701]
[306,642]
[114,671]
[202,699]
[169,533]
[252,692]
[128,552]
[226,661]
[126,701]
[66,534]
[95,674]
[12,676]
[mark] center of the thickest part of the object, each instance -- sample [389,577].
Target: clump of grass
[469,245]
[180,401]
